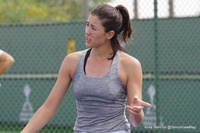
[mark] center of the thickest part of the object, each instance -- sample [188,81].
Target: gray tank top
[100,101]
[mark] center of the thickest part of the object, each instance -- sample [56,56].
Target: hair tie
[117,8]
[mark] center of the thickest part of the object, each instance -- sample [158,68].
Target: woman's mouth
[87,39]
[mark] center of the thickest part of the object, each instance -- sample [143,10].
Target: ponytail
[126,29]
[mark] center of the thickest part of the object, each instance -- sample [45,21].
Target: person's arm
[6,60]
[133,71]
[48,109]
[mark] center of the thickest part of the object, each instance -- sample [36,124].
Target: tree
[37,11]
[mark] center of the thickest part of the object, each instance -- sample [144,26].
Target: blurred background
[40,33]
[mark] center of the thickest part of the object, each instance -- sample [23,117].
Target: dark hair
[116,19]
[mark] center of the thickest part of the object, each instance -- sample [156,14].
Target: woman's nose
[87,31]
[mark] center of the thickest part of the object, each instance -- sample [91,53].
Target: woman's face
[95,34]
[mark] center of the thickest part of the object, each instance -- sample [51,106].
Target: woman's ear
[110,34]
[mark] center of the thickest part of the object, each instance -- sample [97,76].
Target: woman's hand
[137,105]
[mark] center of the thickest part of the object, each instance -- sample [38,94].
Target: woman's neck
[101,54]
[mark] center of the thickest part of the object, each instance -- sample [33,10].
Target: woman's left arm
[134,91]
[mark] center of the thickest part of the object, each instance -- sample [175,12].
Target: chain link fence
[166,42]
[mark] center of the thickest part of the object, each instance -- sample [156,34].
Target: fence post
[156,71]
[171,8]
[86,9]
[135,4]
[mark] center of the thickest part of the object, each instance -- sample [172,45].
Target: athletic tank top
[100,101]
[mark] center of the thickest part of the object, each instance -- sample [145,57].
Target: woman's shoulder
[70,62]
[74,57]
[129,67]
[128,60]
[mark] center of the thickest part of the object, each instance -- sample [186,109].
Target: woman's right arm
[48,109]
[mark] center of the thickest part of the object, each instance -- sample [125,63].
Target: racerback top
[100,101]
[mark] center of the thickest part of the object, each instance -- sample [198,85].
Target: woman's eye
[88,25]
[93,27]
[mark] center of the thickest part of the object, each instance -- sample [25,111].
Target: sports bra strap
[86,57]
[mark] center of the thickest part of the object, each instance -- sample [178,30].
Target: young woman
[103,78]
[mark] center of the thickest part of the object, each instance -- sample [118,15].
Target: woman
[103,77]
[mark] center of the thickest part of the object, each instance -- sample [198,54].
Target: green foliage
[36,11]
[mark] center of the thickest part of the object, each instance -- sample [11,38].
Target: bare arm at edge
[49,108]
[6,60]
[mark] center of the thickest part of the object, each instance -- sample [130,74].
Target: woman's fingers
[145,104]
[139,102]
[134,109]
[137,105]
